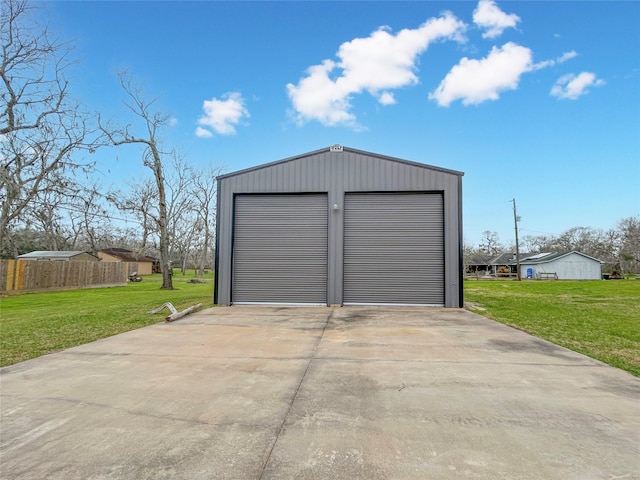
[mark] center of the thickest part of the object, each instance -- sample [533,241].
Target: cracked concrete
[317,393]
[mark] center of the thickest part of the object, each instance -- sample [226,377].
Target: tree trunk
[165,262]
[205,250]
[184,264]
[165,259]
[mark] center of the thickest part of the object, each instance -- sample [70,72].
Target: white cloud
[561,59]
[488,15]
[572,86]
[387,98]
[567,56]
[203,133]
[475,81]
[373,64]
[222,116]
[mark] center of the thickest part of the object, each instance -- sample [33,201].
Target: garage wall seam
[295,395]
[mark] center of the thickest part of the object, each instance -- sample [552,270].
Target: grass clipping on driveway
[33,324]
[597,318]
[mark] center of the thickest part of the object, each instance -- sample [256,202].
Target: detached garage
[340,226]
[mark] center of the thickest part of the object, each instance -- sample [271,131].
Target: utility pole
[515,222]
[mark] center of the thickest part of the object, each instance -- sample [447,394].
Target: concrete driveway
[319,393]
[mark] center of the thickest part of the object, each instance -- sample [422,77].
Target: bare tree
[468,251]
[490,243]
[205,191]
[89,221]
[629,254]
[46,216]
[139,203]
[27,240]
[534,243]
[153,157]
[140,200]
[575,238]
[41,127]
[181,210]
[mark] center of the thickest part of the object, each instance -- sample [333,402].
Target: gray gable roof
[479,260]
[342,149]
[504,259]
[127,255]
[550,256]
[501,259]
[525,258]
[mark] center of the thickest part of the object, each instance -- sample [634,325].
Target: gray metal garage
[340,226]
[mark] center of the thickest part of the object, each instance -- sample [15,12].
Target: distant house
[504,263]
[564,266]
[59,256]
[141,264]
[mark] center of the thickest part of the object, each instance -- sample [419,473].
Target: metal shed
[563,266]
[340,226]
[55,255]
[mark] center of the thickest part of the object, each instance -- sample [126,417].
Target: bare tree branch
[41,127]
[153,157]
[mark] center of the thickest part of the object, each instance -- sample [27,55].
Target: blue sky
[533,100]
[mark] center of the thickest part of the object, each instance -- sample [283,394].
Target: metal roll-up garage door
[280,249]
[394,248]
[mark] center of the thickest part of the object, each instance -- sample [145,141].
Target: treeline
[127,219]
[50,196]
[618,247]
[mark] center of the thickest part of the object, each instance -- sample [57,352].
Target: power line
[536,231]
[93,214]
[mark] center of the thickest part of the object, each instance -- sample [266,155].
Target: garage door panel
[280,249]
[394,248]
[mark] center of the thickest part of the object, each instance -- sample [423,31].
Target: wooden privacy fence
[18,276]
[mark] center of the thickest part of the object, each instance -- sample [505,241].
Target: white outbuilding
[562,266]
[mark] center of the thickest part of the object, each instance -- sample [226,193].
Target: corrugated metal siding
[570,267]
[280,249]
[336,173]
[347,171]
[393,249]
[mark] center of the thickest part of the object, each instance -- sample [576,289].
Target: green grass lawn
[600,319]
[34,324]
[597,318]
